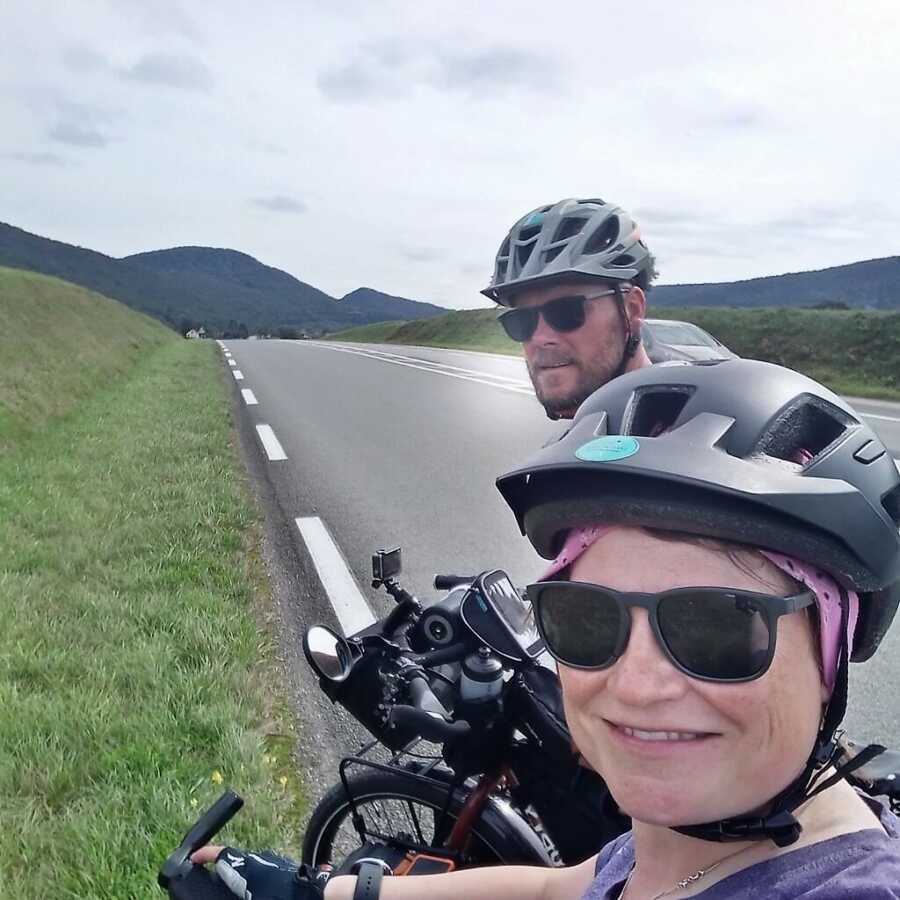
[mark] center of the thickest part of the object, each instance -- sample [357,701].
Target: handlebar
[428,725]
[427,716]
[178,875]
[448,582]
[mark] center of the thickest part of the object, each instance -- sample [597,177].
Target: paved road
[400,446]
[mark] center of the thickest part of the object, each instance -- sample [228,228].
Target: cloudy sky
[392,144]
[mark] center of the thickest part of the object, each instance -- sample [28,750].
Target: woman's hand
[261,876]
[206,854]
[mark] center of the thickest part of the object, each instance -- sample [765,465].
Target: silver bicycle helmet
[574,238]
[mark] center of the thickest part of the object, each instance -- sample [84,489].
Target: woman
[710,585]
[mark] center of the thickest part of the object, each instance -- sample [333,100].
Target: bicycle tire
[495,842]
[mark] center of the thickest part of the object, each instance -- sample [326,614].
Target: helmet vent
[529,232]
[891,502]
[805,430]
[624,261]
[504,248]
[523,253]
[552,252]
[568,228]
[654,410]
[604,237]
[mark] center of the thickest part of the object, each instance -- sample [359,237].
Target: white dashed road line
[270,443]
[231,362]
[249,397]
[350,607]
[238,374]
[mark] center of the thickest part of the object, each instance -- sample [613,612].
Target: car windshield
[683,334]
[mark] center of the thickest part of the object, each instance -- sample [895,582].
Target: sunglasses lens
[715,634]
[580,627]
[519,324]
[564,313]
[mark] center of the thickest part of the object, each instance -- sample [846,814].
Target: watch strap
[368,881]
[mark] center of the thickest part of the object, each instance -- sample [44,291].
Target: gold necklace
[689,880]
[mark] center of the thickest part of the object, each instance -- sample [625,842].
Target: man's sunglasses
[562,314]
[710,633]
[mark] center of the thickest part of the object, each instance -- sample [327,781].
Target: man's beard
[563,406]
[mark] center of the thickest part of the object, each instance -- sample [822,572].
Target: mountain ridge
[869,283]
[215,287]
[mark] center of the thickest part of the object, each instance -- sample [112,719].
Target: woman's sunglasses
[562,314]
[711,633]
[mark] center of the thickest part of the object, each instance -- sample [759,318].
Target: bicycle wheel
[392,804]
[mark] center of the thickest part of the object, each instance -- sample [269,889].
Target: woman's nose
[643,674]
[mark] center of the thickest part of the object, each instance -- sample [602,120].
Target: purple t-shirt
[863,865]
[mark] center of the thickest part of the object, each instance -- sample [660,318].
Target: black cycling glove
[268,876]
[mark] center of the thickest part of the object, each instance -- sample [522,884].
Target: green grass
[59,343]
[133,648]
[853,352]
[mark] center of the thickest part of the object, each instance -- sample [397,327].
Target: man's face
[567,367]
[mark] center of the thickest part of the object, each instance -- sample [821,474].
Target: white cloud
[747,140]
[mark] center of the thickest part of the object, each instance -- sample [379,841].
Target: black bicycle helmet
[725,463]
[573,238]
[744,451]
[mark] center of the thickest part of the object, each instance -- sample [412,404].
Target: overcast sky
[392,144]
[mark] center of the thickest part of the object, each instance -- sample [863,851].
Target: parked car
[667,340]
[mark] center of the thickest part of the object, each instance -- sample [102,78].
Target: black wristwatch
[369,872]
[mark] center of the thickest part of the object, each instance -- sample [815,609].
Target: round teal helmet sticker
[608,449]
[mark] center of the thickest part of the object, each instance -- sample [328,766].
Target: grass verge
[853,352]
[130,676]
[60,344]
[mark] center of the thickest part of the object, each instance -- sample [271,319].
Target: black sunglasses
[710,633]
[561,314]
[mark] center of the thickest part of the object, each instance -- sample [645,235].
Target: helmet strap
[780,825]
[632,341]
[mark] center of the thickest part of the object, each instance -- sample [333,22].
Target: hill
[204,285]
[874,284]
[59,344]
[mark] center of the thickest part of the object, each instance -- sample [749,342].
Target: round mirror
[327,653]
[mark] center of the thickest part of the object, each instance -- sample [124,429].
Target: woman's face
[675,750]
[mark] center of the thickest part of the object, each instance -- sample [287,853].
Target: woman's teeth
[660,735]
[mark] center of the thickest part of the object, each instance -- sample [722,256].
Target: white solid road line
[884,418]
[273,448]
[430,363]
[238,374]
[486,378]
[249,397]
[350,607]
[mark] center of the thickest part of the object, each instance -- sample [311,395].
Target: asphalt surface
[401,446]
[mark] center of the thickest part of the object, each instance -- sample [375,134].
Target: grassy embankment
[134,664]
[853,352]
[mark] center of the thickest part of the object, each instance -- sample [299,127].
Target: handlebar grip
[448,582]
[423,697]
[178,867]
[428,725]
[212,821]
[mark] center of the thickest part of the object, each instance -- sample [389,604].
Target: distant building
[196,333]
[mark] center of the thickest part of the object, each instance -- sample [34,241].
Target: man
[573,276]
